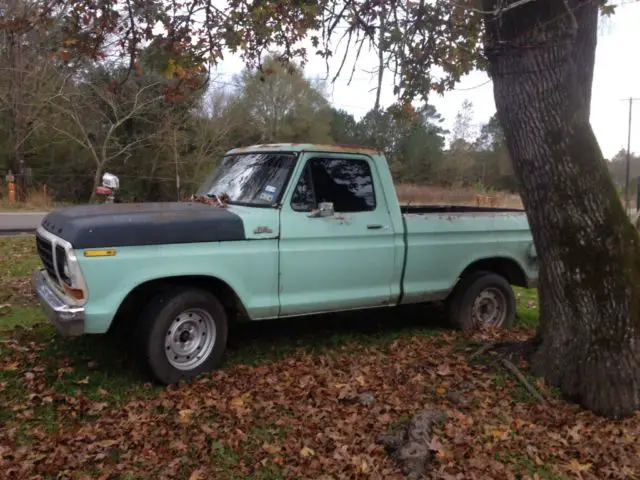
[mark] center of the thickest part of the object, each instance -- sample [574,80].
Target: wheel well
[506,267]
[143,293]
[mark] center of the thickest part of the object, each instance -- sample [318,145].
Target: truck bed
[442,240]
[424,209]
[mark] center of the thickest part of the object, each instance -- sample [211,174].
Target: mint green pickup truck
[285,230]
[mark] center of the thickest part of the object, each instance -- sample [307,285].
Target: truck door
[342,261]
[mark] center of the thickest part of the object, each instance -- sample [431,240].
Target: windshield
[252,178]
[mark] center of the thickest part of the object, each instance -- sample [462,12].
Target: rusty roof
[307,147]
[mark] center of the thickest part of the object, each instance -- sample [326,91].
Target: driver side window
[347,183]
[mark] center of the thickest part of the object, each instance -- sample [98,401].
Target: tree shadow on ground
[253,342]
[95,364]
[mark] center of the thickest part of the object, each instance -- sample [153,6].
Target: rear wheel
[482,300]
[182,333]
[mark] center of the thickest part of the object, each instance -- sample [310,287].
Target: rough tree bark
[97,181]
[541,58]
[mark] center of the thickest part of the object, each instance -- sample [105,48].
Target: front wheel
[482,300]
[182,333]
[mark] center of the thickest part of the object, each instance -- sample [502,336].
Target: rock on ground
[411,446]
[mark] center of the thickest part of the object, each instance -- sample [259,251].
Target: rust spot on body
[347,148]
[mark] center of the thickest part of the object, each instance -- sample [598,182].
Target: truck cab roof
[305,147]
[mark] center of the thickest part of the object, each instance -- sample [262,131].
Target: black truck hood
[128,224]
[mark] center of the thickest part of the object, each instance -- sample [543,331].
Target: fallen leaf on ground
[185,415]
[272,449]
[306,452]
[197,475]
[576,467]
[295,415]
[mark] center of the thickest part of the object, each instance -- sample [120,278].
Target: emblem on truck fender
[259,230]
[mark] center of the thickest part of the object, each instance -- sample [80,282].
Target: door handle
[374,227]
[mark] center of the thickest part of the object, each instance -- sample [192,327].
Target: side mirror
[325,209]
[110,181]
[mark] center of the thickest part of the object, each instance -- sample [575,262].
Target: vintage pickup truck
[291,230]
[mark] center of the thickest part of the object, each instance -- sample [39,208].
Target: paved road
[19,222]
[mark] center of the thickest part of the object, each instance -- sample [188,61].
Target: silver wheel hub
[489,308]
[190,339]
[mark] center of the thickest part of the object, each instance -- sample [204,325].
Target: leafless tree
[95,126]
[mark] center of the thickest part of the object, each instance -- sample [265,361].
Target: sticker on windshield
[270,189]
[267,197]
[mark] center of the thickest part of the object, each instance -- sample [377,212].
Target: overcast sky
[617,76]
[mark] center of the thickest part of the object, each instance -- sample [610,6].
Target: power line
[624,2]
[472,88]
[626,183]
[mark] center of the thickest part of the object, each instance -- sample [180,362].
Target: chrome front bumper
[68,319]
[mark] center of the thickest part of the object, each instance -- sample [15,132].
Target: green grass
[523,465]
[21,318]
[18,255]
[17,260]
[527,305]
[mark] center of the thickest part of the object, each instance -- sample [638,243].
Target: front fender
[250,268]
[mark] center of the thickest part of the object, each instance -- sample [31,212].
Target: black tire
[469,288]
[156,341]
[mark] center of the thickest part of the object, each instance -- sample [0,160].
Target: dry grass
[428,195]
[37,200]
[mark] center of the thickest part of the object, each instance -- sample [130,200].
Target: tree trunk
[541,58]
[381,34]
[17,115]
[152,173]
[97,181]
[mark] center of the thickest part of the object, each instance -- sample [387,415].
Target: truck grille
[46,253]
